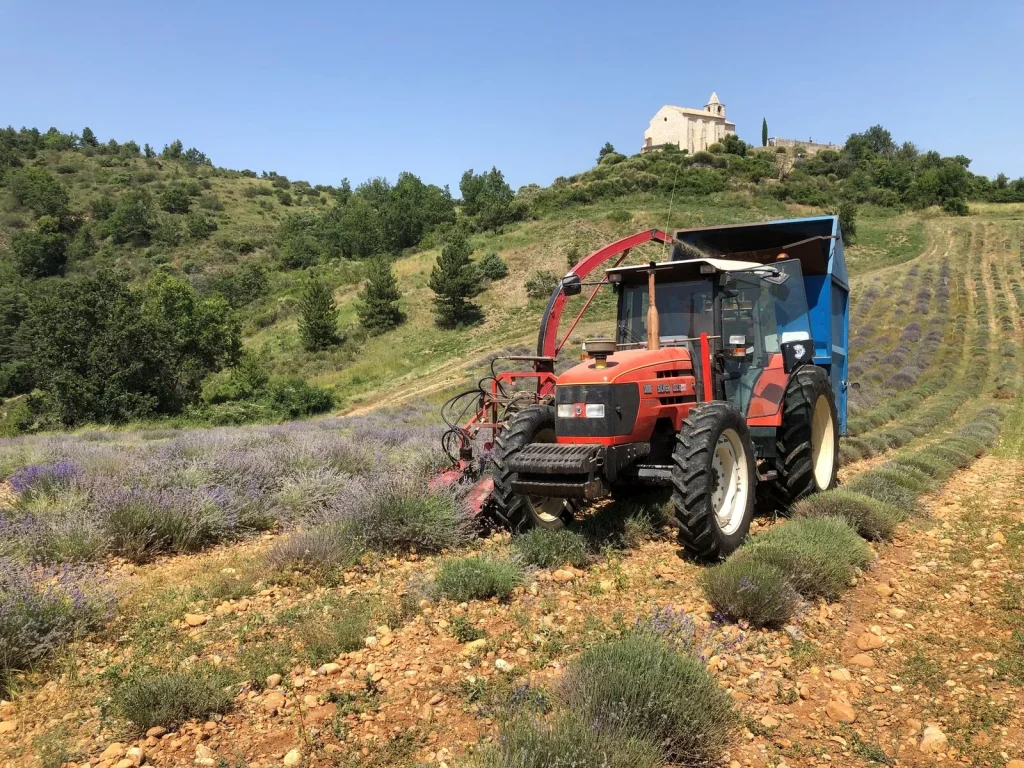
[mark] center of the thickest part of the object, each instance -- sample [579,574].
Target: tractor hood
[630,365]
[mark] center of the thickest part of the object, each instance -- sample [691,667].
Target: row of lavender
[75,499]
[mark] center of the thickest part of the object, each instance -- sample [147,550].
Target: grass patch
[872,519]
[549,549]
[750,590]
[465,631]
[478,577]
[149,697]
[262,661]
[639,686]
[330,628]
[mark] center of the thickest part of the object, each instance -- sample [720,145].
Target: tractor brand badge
[679,388]
[664,389]
[799,350]
[648,390]
[579,410]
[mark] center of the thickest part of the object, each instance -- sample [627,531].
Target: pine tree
[89,138]
[454,280]
[378,301]
[607,149]
[318,321]
[764,131]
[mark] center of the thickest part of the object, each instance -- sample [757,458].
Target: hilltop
[211,263]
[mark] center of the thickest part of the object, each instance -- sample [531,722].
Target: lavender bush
[42,609]
[140,494]
[686,633]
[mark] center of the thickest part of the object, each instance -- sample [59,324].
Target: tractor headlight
[565,411]
[595,410]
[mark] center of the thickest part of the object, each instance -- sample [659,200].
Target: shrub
[639,686]
[149,697]
[887,486]
[931,465]
[817,555]
[41,609]
[541,283]
[478,577]
[956,206]
[318,550]
[318,322]
[378,308]
[175,199]
[492,267]
[398,516]
[747,589]
[548,549]
[567,742]
[293,398]
[869,517]
[465,631]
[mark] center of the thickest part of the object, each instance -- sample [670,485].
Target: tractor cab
[748,312]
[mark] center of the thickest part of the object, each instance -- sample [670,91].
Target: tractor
[725,380]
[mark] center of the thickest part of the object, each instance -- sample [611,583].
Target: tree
[734,145]
[764,131]
[134,219]
[89,138]
[488,199]
[318,321]
[148,151]
[378,308]
[173,151]
[607,149]
[454,281]
[847,212]
[36,189]
[298,239]
[175,199]
[42,252]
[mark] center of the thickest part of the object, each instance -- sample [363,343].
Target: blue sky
[324,90]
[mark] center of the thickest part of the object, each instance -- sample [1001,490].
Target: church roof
[714,98]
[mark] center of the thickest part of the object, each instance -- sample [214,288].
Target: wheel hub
[729,487]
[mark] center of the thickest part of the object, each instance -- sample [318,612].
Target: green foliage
[764,131]
[134,218]
[89,138]
[454,281]
[465,631]
[541,283]
[847,212]
[320,551]
[639,686]
[734,145]
[149,697]
[872,519]
[488,199]
[478,577]
[747,589]
[175,199]
[492,267]
[606,150]
[955,206]
[318,322]
[551,549]
[378,308]
[41,252]
[37,190]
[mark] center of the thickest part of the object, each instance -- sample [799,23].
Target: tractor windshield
[686,310]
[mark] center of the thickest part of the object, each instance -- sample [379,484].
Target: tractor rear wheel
[807,443]
[535,424]
[713,480]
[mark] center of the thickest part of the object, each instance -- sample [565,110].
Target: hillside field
[292,594]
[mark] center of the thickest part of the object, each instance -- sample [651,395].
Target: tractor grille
[554,459]
[621,406]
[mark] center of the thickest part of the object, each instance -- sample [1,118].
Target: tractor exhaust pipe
[653,319]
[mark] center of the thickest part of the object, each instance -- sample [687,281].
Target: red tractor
[727,372]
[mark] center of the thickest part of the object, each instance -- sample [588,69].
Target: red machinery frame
[491,403]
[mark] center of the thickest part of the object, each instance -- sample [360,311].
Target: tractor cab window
[760,312]
[685,311]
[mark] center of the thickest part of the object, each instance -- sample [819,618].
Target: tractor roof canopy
[678,271]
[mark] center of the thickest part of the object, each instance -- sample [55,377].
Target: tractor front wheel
[807,443]
[713,479]
[535,424]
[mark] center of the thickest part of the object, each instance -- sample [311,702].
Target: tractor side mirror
[796,353]
[572,285]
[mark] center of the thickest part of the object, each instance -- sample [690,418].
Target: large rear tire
[535,424]
[807,443]
[713,479]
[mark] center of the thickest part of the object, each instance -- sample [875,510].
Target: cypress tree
[318,321]
[454,280]
[764,131]
[378,301]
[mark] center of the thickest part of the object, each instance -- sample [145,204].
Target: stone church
[687,128]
